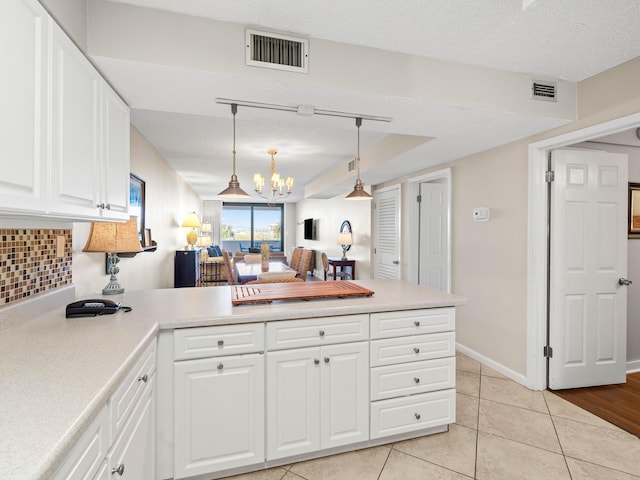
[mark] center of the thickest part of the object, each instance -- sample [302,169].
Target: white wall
[168,200]
[72,16]
[329,215]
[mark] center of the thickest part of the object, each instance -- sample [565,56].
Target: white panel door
[345,394]
[293,402]
[588,306]
[75,161]
[434,244]
[218,414]
[24,27]
[386,204]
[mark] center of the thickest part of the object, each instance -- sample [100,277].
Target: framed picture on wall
[136,203]
[634,210]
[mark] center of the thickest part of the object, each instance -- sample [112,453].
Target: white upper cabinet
[24,30]
[67,148]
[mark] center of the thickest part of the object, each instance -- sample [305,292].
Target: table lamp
[192,221]
[345,239]
[113,238]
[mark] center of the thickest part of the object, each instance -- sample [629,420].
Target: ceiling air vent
[543,91]
[271,50]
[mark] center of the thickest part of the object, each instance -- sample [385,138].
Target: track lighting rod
[301,109]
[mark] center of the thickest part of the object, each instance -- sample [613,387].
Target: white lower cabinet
[132,455]
[219,414]
[317,398]
[123,448]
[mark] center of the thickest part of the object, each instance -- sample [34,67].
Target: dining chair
[328,272]
[252,258]
[230,268]
[305,264]
[296,255]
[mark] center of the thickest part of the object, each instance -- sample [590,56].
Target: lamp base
[113,287]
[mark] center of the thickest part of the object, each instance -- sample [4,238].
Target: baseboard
[633,366]
[498,367]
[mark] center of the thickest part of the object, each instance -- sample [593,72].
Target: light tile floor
[503,431]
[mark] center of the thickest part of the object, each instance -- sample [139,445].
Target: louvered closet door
[387,233]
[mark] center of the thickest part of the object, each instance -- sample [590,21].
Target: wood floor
[618,404]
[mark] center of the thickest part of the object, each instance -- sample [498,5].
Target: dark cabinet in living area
[186,268]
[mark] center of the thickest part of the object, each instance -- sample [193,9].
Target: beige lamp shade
[114,237]
[191,221]
[345,238]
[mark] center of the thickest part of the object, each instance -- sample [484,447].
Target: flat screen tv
[308,229]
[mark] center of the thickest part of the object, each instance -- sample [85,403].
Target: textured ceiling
[547,39]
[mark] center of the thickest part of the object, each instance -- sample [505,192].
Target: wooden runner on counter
[269,292]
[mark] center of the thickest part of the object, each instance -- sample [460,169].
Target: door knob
[624,281]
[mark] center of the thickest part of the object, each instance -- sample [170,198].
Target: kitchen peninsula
[59,376]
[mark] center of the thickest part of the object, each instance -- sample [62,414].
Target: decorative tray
[269,292]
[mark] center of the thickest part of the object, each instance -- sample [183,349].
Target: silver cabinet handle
[416,350]
[321,333]
[416,323]
[416,379]
[624,282]
[316,361]
[395,262]
[119,469]
[417,415]
[143,378]
[108,206]
[220,366]
[326,359]
[100,205]
[220,343]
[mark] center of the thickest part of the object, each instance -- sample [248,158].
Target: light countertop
[56,373]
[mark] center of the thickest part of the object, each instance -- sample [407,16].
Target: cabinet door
[345,394]
[116,156]
[132,456]
[293,402]
[75,131]
[24,27]
[218,414]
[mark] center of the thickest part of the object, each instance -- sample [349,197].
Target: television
[308,229]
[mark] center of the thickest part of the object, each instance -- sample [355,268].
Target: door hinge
[419,199]
[549,176]
[547,351]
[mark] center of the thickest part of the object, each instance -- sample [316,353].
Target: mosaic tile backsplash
[29,262]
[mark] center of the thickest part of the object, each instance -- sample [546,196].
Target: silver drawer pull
[220,366]
[416,379]
[119,470]
[316,361]
[143,378]
[417,416]
[220,343]
[326,359]
[321,333]
[417,323]
[416,350]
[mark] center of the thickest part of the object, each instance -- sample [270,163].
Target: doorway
[537,246]
[429,244]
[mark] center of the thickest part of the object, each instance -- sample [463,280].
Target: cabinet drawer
[124,399]
[412,322]
[87,454]
[416,412]
[192,343]
[412,378]
[410,349]
[317,331]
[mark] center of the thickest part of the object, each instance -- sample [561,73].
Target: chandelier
[277,184]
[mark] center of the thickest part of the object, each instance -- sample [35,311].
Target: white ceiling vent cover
[543,91]
[272,50]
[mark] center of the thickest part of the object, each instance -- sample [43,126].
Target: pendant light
[234,190]
[358,189]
